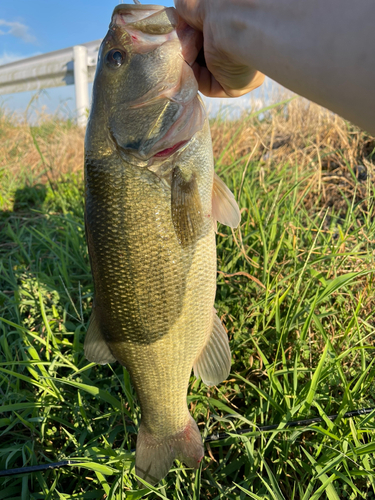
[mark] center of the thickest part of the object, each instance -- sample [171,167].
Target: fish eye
[115,58]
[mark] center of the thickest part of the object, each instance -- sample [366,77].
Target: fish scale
[150,222]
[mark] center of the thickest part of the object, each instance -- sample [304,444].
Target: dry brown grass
[300,133]
[306,135]
[50,149]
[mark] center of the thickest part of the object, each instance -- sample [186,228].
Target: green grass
[295,291]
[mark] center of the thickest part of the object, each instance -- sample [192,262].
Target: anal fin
[213,363]
[95,346]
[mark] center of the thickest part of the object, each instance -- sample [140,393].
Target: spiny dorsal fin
[224,205]
[95,346]
[213,363]
[186,207]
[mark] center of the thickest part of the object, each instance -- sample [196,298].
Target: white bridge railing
[72,66]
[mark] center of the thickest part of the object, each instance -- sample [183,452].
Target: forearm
[321,49]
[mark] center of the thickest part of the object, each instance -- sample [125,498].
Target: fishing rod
[212,437]
[292,423]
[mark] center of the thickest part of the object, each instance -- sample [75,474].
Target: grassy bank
[295,292]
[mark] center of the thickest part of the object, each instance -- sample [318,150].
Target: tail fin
[154,457]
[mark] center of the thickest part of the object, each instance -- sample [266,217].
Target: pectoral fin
[224,205]
[95,347]
[186,207]
[213,363]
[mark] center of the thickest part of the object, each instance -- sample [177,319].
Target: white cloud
[17,29]
[8,57]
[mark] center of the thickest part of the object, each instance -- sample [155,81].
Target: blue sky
[33,27]
[37,26]
[28,28]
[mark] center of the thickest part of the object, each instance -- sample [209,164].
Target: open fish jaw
[170,96]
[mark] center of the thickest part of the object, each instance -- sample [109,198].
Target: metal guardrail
[72,66]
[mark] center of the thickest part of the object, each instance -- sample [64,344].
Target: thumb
[192,11]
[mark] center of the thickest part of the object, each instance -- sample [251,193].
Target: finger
[192,11]
[191,41]
[254,80]
[208,85]
[211,87]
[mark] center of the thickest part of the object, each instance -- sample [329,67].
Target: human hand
[223,75]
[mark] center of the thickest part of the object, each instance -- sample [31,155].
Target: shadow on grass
[30,198]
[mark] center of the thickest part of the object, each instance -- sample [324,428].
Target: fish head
[144,87]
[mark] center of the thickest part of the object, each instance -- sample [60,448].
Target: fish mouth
[177,136]
[181,95]
[134,12]
[182,130]
[165,153]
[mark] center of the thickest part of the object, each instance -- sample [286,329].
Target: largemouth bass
[152,202]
